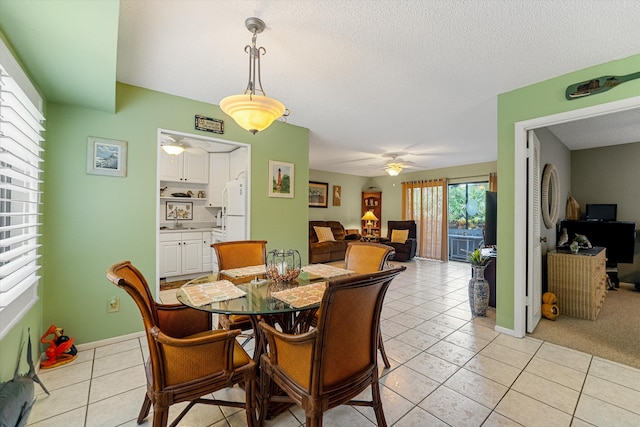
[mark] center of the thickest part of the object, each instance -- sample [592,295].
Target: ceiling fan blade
[196,150]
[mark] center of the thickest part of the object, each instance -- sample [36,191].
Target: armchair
[405,249]
[187,360]
[336,361]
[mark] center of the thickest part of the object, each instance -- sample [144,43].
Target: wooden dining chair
[187,359]
[367,257]
[237,254]
[333,363]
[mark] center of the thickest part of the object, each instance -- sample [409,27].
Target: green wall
[91,222]
[349,211]
[539,100]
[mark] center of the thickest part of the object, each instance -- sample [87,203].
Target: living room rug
[614,335]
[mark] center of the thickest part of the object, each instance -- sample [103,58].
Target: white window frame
[21,140]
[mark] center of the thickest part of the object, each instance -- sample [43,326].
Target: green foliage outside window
[467,205]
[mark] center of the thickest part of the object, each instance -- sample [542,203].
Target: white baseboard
[113,340]
[506,331]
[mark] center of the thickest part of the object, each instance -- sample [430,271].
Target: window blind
[20,197]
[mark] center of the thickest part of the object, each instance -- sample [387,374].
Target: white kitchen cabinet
[237,162]
[181,253]
[185,167]
[207,252]
[218,177]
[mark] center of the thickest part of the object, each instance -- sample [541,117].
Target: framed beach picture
[280,179]
[179,210]
[318,194]
[106,157]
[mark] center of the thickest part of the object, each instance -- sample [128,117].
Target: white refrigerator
[234,206]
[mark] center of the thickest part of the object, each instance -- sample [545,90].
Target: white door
[534,262]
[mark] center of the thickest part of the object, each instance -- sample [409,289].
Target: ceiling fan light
[393,169]
[173,149]
[252,112]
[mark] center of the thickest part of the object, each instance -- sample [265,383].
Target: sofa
[405,249]
[322,248]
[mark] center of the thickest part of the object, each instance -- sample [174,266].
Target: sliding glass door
[466,218]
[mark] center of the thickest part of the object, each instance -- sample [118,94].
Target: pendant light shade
[253,111]
[173,149]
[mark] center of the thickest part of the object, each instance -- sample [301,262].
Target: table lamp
[369,216]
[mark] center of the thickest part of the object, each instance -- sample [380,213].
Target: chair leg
[265,387]
[250,403]
[160,416]
[314,421]
[144,411]
[377,404]
[383,353]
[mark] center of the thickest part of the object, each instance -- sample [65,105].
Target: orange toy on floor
[61,349]
[550,308]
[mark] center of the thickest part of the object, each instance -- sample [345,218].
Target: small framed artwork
[280,179]
[179,210]
[106,157]
[337,195]
[318,192]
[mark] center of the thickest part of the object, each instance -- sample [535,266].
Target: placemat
[302,296]
[326,271]
[254,270]
[205,293]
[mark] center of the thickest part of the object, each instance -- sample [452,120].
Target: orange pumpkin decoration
[550,308]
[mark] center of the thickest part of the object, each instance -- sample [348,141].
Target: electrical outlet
[113,304]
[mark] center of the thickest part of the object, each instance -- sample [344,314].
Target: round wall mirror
[550,193]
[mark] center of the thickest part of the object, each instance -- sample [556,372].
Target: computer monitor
[602,212]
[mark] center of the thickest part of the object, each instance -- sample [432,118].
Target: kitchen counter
[186,229]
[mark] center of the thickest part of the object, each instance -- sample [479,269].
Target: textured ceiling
[369,78]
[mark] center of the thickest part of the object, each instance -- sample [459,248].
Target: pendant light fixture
[253,111]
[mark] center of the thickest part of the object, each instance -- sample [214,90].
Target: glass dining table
[289,305]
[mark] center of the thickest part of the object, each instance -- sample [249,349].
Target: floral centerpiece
[283,265]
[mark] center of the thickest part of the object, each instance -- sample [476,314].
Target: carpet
[614,335]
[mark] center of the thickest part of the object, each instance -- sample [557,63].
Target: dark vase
[478,291]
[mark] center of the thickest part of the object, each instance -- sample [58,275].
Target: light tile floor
[448,369]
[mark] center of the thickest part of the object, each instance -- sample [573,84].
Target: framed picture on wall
[280,179]
[318,192]
[179,210]
[106,157]
[337,195]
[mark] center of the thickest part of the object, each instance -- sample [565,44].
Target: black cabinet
[617,236]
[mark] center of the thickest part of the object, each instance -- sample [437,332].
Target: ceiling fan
[173,147]
[396,164]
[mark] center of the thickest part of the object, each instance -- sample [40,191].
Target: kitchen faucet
[176,224]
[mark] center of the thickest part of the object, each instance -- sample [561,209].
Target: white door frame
[520,191]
